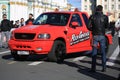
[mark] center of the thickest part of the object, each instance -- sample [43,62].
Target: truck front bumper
[34,47]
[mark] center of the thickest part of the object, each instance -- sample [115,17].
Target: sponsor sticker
[80,37]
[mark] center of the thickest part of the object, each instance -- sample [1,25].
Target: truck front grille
[25,36]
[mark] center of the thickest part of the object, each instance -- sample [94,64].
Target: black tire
[58,51]
[18,57]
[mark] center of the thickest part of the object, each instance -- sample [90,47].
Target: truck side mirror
[75,24]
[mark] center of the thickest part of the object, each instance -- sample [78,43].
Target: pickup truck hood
[39,29]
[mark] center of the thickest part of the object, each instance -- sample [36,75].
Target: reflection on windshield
[60,19]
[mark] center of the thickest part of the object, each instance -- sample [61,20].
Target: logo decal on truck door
[80,37]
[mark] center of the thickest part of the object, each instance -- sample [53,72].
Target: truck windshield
[59,19]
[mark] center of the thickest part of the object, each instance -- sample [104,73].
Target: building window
[112,7]
[119,7]
[85,7]
[105,0]
[105,7]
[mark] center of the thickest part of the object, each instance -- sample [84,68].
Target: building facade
[110,8]
[16,9]
[4,8]
[88,6]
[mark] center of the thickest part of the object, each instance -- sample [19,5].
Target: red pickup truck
[55,34]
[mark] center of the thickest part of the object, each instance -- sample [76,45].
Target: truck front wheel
[57,52]
[18,57]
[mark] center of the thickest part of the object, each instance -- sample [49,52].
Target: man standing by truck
[97,24]
[5,30]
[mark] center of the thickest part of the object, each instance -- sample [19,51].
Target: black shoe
[103,70]
[92,70]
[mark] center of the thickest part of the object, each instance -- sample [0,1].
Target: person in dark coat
[5,28]
[31,19]
[98,22]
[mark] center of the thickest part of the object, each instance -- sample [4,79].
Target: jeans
[6,35]
[99,39]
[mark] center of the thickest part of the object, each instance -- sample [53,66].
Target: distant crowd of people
[21,22]
[97,24]
[6,26]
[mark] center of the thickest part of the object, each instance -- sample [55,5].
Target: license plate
[23,52]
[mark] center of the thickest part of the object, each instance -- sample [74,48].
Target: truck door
[77,36]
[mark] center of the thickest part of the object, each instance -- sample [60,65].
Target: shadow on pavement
[30,58]
[84,70]
[108,60]
[7,57]
[44,57]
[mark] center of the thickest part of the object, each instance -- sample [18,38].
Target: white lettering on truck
[80,37]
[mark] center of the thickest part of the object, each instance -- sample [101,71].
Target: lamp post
[33,5]
[34,8]
[94,9]
[51,4]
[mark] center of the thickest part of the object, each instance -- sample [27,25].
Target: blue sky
[75,3]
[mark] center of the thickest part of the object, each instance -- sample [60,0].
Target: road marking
[35,63]
[113,57]
[12,62]
[78,58]
[5,52]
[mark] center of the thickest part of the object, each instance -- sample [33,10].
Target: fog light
[39,49]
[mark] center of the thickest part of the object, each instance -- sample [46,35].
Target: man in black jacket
[31,19]
[98,22]
[5,28]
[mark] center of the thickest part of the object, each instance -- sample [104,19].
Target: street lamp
[94,6]
[33,6]
[51,4]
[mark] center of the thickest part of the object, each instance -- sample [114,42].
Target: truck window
[85,19]
[76,17]
[59,19]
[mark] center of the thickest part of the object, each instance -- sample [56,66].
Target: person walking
[22,22]
[112,27]
[31,19]
[98,22]
[117,26]
[5,28]
[17,24]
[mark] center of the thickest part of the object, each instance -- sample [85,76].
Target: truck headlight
[44,36]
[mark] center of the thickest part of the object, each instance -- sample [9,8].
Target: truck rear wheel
[18,57]
[58,52]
